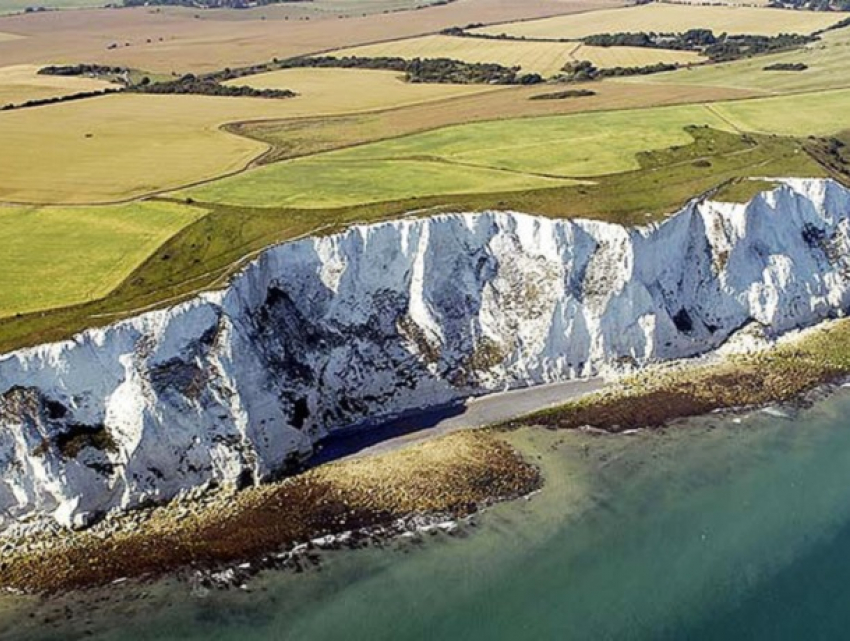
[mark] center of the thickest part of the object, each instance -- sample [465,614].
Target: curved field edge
[204,255]
[576,146]
[87,132]
[116,148]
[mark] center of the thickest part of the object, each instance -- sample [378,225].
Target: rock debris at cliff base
[452,475]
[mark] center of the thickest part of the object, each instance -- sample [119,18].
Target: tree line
[717,48]
[205,86]
[425,70]
[82,70]
[38,102]
[584,71]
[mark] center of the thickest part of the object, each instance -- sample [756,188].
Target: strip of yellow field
[672,18]
[325,92]
[545,58]
[122,146]
[20,83]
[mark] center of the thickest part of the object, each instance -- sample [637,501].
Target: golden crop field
[121,146]
[607,57]
[672,18]
[20,83]
[545,58]
[828,61]
[56,256]
[336,91]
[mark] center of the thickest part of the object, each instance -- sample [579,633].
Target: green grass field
[513,154]
[339,181]
[476,158]
[56,256]
[828,61]
[809,114]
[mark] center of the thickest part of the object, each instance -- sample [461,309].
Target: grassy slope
[78,254]
[319,183]
[203,255]
[580,145]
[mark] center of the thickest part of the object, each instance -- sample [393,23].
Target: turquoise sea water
[710,529]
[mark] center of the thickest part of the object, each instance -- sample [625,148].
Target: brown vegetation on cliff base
[652,398]
[452,475]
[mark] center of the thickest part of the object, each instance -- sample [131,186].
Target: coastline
[447,478]
[221,535]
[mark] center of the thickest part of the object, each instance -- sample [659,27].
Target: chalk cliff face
[322,333]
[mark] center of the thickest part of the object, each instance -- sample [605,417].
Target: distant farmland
[21,83]
[173,39]
[545,58]
[121,146]
[666,18]
[335,91]
[827,62]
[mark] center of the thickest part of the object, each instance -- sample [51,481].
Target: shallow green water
[716,530]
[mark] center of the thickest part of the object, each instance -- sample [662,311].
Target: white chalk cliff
[320,333]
